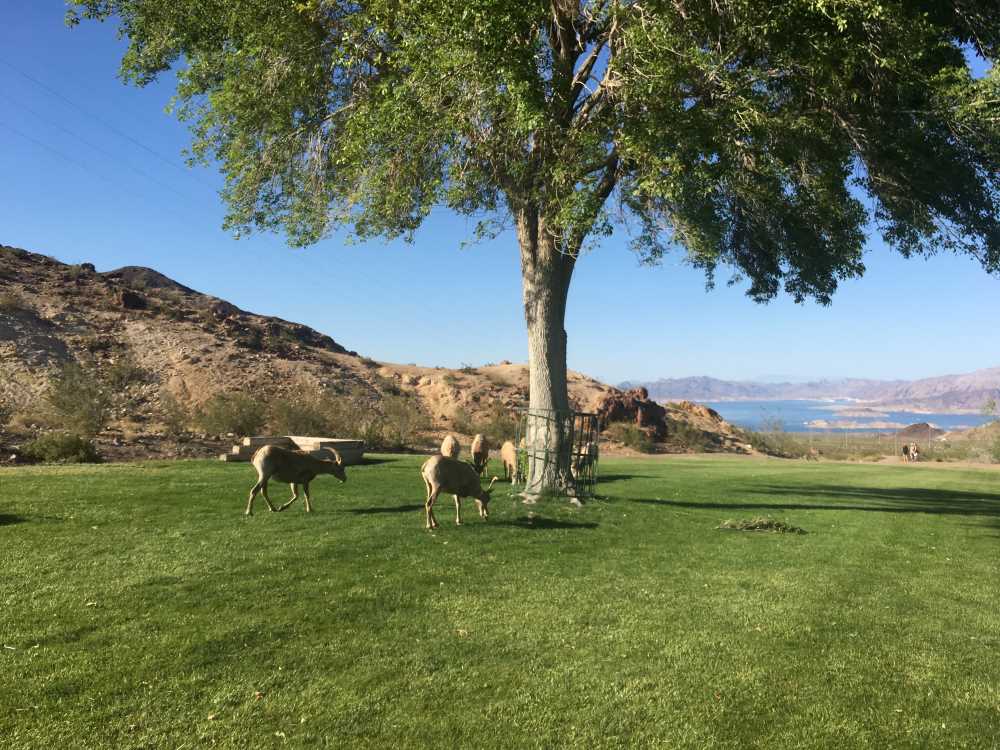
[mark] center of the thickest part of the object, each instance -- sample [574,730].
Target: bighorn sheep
[586,457]
[450,447]
[480,454]
[508,454]
[454,477]
[292,467]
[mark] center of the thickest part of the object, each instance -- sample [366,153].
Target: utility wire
[184,218]
[57,152]
[100,149]
[120,133]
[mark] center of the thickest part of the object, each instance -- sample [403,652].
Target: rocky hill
[187,347]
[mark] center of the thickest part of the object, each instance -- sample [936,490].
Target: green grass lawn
[140,609]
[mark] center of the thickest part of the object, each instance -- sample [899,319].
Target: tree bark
[545,274]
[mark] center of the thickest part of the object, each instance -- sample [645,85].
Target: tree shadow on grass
[385,509]
[371,461]
[880,500]
[537,522]
[9,519]
[617,477]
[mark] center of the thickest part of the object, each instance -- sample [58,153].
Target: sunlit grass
[139,608]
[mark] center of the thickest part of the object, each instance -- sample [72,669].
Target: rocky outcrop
[634,406]
[679,425]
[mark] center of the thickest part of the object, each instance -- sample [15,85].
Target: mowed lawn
[140,609]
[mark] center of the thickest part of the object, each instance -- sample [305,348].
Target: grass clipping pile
[760,523]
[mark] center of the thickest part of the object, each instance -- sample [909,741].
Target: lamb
[292,467]
[508,454]
[450,447]
[480,454]
[445,474]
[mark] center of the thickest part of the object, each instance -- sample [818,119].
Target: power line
[100,149]
[55,151]
[120,133]
[85,167]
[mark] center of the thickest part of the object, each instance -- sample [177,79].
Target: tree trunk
[546,274]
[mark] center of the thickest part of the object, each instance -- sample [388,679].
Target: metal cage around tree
[567,441]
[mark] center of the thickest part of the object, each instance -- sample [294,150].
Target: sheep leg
[305,488]
[432,494]
[458,510]
[295,496]
[253,493]
[267,499]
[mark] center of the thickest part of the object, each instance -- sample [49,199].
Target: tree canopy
[766,137]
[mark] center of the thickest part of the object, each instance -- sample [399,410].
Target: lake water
[828,416]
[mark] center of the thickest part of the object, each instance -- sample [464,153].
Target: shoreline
[842,405]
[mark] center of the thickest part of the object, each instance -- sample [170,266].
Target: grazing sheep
[449,475]
[587,457]
[480,454]
[450,447]
[292,467]
[508,454]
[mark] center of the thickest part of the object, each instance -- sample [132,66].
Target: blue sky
[92,170]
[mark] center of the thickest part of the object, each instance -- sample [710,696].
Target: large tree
[766,137]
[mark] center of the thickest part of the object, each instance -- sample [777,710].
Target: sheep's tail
[491,483]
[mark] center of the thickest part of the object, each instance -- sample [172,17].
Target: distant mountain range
[966,392]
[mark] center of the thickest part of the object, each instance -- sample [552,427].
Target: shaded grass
[137,602]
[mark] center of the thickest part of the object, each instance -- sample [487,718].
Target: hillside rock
[191,346]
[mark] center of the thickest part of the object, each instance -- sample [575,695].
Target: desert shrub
[124,372]
[77,401]
[467,369]
[631,436]
[689,437]
[303,412]
[368,362]
[462,422]
[387,386]
[995,451]
[500,425]
[450,379]
[780,444]
[10,302]
[403,419]
[176,416]
[232,412]
[61,447]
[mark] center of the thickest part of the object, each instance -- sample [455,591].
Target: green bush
[176,416]
[462,422]
[303,412]
[403,419]
[124,372]
[687,436]
[631,436]
[500,425]
[10,302]
[76,401]
[61,447]
[232,412]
